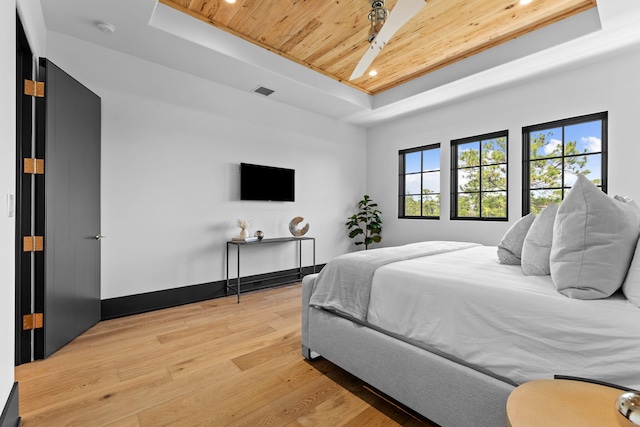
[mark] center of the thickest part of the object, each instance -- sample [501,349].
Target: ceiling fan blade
[365,61]
[399,15]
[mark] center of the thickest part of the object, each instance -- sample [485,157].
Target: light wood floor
[215,363]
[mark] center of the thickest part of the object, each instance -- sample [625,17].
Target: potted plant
[367,223]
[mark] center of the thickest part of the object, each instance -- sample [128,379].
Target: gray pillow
[536,248]
[594,240]
[510,247]
[631,284]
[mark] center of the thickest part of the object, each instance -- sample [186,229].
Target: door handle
[100,237]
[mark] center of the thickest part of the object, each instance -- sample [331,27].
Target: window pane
[480,167]
[412,162]
[419,176]
[545,173]
[494,151]
[540,199]
[469,205]
[494,178]
[545,143]
[431,160]
[431,205]
[469,154]
[431,182]
[412,183]
[590,166]
[412,206]
[494,205]
[583,138]
[469,179]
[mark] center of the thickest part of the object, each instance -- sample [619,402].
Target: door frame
[24,194]
[58,128]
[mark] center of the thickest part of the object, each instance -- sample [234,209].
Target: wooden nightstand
[565,403]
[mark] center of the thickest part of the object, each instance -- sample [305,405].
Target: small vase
[243,233]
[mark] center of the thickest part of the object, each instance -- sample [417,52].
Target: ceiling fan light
[377,16]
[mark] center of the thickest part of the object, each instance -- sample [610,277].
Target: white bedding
[467,305]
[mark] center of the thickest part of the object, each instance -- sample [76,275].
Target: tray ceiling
[330,37]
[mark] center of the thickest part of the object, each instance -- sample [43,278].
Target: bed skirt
[445,392]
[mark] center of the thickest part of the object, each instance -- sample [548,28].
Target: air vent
[263,91]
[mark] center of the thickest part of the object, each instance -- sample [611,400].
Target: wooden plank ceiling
[331,36]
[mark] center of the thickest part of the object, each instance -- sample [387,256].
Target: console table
[240,244]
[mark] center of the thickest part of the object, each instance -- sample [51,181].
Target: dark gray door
[68,284]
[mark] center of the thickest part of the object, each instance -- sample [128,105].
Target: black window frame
[454,176]
[402,181]
[526,158]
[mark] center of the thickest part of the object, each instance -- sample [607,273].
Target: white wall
[610,85]
[7,186]
[171,148]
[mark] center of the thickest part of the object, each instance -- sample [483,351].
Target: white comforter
[467,305]
[344,284]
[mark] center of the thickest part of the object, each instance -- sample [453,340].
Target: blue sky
[430,164]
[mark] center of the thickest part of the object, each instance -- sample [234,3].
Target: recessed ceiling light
[230,1]
[523,2]
[373,73]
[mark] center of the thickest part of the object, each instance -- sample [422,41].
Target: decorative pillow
[631,285]
[510,247]
[594,240]
[536,248]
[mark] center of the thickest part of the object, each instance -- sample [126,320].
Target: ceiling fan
[384,25]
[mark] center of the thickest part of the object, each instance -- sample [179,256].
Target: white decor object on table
[293,227]
[243,225]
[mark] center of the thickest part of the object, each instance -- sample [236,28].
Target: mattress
[466,305]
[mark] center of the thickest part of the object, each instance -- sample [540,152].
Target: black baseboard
[140,303]
[11,413]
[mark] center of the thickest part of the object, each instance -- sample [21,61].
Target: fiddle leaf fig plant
[366,223]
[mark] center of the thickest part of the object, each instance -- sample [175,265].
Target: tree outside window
[556,153]
[479,177]
[419,182]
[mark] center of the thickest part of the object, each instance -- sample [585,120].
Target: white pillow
[536,248]
[510,247]
[594,239]
[631,285]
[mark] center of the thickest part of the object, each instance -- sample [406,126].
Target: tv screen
[266,183]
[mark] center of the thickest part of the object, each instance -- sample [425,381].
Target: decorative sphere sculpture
[628,409]
[259,234]
[293,227]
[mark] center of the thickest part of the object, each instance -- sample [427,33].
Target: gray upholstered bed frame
[445,392]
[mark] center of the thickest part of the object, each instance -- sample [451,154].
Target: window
[419,182]
[479,177]
[554,154]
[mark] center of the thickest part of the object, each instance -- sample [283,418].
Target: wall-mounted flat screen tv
[269,183]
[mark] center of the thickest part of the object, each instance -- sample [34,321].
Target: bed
[449,329]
